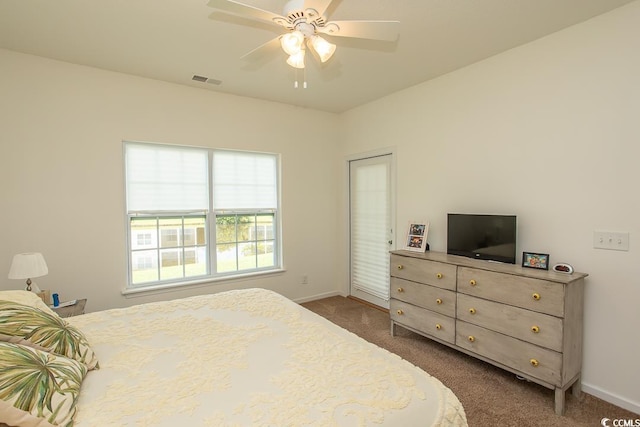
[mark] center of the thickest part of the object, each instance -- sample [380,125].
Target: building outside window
[143,239]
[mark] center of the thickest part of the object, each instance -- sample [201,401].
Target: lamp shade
[27,266]
[323,48]
[297,60]
[292,42]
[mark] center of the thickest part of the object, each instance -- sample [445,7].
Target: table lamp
[27,266]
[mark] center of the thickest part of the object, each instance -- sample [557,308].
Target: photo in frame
[417,236]
[535,260]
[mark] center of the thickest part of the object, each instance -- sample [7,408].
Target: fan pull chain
[304,79]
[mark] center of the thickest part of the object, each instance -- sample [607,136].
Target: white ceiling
[172,40]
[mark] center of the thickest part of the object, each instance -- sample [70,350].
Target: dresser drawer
[436,299]
[533,294]
[537,328]
[419,270]
[530,359]
[426,321]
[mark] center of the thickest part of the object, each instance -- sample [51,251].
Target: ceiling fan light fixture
[292,42]
[304,20]
[323,48]
[297,60]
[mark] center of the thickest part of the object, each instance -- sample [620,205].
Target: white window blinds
[244,181]
[165,178]
[370,227]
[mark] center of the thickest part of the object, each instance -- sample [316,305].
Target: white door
[371,232]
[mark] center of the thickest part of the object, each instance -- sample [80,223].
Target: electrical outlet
[611,240]
[305,279]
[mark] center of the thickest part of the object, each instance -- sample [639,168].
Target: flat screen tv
[487,237]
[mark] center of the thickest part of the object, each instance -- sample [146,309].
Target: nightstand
[71,310]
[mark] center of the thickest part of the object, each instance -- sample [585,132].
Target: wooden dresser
[523,320]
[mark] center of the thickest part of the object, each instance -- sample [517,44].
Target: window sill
[177,286]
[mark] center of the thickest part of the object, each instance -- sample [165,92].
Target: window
[174,257]
[195,213]
[240,245]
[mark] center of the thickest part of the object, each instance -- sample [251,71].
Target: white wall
[548,132]
[61,173]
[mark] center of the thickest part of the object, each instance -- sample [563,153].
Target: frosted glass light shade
[323,48]
[297,60]
[292,42]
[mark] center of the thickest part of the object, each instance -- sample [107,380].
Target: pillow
[46,330]
[26,298]
[38,388]
[21,341]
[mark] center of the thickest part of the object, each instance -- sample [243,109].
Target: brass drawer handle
[400,290]
[438,326]
[471,338]
[534,363]
[535,329]
[472,310]
[400,312]
[400,266]
[536,296]
[439,275]
[438,301]
[472,282]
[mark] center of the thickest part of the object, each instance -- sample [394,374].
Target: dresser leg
[393,329]
[576,388]
[560,401]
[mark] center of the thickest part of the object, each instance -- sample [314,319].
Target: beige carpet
[490,396]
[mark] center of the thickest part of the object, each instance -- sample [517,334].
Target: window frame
[212,274]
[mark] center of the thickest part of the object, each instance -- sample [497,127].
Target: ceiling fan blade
[246,11]
[374,30]
[262,50]
[319,6]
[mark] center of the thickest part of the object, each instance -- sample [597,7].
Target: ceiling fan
[305,21]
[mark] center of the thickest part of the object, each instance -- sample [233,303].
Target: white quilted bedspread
[248,358]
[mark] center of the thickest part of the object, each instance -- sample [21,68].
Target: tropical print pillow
[38,388]
[21,341]
[25,298]
[46,330]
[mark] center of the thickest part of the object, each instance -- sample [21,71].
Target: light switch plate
[611,240]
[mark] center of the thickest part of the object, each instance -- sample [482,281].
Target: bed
[242,358]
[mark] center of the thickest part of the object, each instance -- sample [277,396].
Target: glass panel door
[371,232]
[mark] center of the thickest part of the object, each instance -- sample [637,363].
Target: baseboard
[318,296]
[611,398]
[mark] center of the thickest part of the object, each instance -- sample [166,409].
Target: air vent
[203,79]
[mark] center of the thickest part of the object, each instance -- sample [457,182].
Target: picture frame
[417,232]
[535,260]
